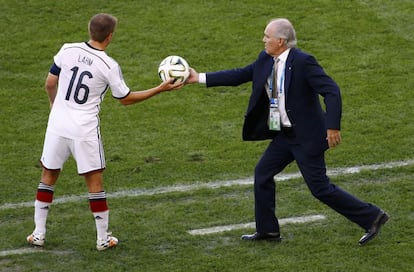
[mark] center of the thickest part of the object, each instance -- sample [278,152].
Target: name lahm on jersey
[85,60]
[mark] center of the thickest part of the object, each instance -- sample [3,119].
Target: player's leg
[91,163]
[55,153]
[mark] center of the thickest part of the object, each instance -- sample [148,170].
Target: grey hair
[285,30]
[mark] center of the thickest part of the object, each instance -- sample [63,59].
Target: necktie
[274,79]
[274,113]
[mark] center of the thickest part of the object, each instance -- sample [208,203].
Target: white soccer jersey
[86,73]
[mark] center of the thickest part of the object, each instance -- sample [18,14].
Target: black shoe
[375,228]
[274,237]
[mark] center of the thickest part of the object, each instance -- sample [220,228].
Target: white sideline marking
[211,185]
[20,251]
[29,250]
[252,225]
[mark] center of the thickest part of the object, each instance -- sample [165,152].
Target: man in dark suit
[284,107]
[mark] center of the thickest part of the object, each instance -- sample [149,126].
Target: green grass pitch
[193,136]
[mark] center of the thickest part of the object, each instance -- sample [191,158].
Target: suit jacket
[305,81]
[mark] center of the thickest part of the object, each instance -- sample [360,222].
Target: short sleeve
[117,83]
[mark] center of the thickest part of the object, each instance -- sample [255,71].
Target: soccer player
[76,84]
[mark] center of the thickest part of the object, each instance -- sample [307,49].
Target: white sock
[40,216]
[101,221]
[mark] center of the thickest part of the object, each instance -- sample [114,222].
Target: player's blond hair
[101,25]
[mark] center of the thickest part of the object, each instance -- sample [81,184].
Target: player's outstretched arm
[138,96]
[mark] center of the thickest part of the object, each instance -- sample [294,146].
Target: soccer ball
[174,67]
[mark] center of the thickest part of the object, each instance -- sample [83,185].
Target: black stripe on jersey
[101,150]
[123,96]
[90,52]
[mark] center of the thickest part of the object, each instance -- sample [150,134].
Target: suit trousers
[281,151]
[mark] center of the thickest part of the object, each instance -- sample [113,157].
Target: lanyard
[282,80]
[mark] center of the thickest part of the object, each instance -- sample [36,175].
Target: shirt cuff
[202,78]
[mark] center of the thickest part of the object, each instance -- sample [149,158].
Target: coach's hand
[193,78]
[333,137]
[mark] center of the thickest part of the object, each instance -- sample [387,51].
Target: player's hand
[193,77]
[333,137]
[170,85]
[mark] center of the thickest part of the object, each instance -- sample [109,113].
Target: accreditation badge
[274,116]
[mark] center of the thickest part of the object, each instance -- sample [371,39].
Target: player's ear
[109,38]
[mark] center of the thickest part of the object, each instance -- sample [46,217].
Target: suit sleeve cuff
[202,78]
